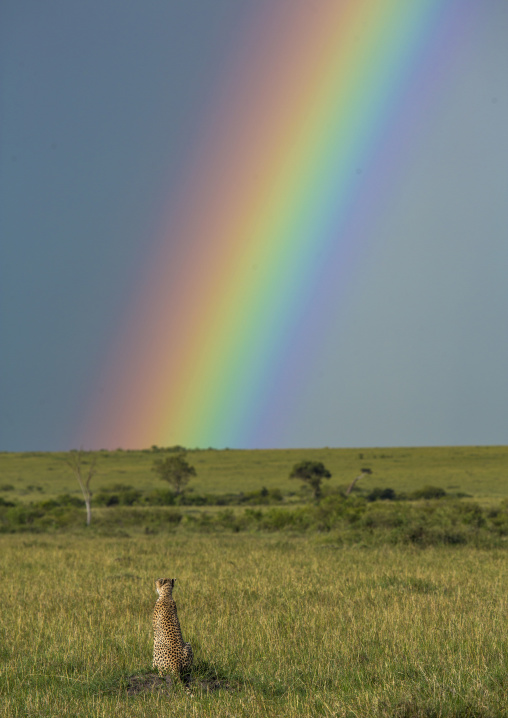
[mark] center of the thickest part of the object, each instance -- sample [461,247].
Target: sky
[119,123]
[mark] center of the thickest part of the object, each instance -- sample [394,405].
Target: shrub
[130,497]
[428,492]
[381,495]
[262,497]
[118,494]
[20,515]
[68,500]
[3,502]
[105,498]
[160,497]
[184,499]
[172,517]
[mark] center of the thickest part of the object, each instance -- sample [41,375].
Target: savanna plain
[389,601]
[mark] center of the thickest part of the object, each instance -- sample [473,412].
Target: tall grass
[342,520]
[291,626]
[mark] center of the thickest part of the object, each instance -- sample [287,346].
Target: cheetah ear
[173,582]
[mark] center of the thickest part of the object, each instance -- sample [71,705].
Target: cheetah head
[164,586]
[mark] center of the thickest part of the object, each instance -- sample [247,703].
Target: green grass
[349,608]
[336,519]
[479,471]
[292,626]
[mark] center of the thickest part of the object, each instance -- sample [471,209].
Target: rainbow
[307,140]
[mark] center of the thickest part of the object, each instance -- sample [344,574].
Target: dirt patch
[148,683]
[210,685]
[152,683]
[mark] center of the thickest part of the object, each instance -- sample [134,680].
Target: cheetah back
[171,654]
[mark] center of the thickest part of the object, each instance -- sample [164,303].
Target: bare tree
[84,475]
[363,472]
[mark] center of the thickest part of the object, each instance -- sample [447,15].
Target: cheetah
[170,653]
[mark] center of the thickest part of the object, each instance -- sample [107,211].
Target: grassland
[290,627]
[349,608]
[479,471]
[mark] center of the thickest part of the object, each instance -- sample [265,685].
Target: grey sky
[100,105]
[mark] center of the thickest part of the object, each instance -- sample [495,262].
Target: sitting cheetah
[170,653]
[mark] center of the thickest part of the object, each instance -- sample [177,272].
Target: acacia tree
[312,473]
[175,470]
[363,472]
[84,476]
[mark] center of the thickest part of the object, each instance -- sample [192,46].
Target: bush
[172,517]
[170,498]
[68,500]
[184,499]
[105,498]
[119,495]
[428,492]
[3,502]
[425,536]
[160,497]
[262,497]
[351,520]
[382,495]
[130,497]
[20,518]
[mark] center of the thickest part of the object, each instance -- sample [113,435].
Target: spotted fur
[170,653]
